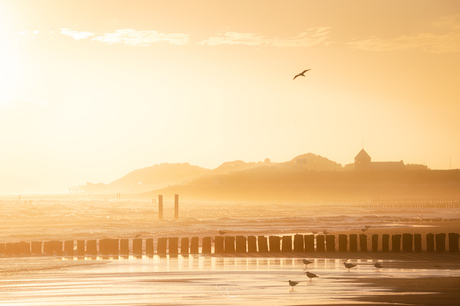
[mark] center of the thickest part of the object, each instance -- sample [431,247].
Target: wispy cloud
[309,38]
[447,42]
[76,34]
[142,38]
[29,34]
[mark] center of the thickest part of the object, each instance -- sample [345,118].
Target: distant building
[363,162]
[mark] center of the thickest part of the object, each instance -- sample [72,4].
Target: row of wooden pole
[176,207]
[238,244]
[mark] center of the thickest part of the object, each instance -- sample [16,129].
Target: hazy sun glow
[91,90]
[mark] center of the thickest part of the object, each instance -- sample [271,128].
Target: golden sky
[91,90]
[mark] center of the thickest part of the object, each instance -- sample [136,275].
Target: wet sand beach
[405,279]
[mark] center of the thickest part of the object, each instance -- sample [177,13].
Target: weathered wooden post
[441,242]
[160,207]
[2,248]
[104,247]
[184,246]
[263,245]
[320,247]
[229,244]
[375,243]
[286,244]
[176,207]
[36,247]
[417,242]
[343,243]
[91,247]
[309,243]
[353,243]
[137,247]
[330,243]
[114,248]
[9,250]
[453,242]
[58,247]
[252,244]
[194,245]
[241,244]
[298,243]
[218,244]
[396,243]
[47,248]
[408,240]
[24,248]
[173,245]
[124,247]
[430,242]
[68,247]
[149,247]
[161,246]
[274,242]
[206,245]
[81,251]
[385,243]
[363,242]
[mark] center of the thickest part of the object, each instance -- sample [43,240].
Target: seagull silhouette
[306,261]
[348,265]
[311,275]
[378,265]
[301,74]
[222,232]
[293,283]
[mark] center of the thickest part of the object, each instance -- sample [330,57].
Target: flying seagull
[378,265]
[222,232]
[301,74]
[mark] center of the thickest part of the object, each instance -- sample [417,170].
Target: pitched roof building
[363,162]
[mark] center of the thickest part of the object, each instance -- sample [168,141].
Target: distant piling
[160,207]
[176,207]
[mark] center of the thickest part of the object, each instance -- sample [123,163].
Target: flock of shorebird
[310,275]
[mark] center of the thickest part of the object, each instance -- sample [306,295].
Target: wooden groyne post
[176,207]
[160,207]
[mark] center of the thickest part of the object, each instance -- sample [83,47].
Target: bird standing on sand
[222,232]
[293,283]
[306,262]
[311,275]
[378,265]
[349,265]
[301,74]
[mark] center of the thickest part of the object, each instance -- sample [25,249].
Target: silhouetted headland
[307,177]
